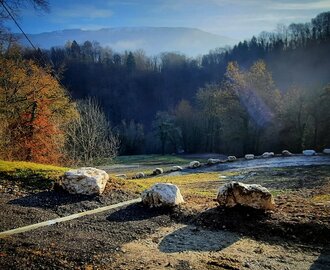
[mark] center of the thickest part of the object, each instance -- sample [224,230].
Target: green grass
[149,160]
[278,192]
[192,184]
[30,174]
[12,166]
[321,198]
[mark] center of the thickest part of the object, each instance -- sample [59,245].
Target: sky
[238,19]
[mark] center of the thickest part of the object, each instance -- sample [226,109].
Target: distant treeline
[266,93]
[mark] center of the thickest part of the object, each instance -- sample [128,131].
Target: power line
[29,40]
[20,28]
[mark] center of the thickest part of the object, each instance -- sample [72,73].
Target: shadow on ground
[137,212]
[64,203]
[190,238]
[323,261]
[263,225]
[50,199]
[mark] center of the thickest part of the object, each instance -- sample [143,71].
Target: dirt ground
[198,235]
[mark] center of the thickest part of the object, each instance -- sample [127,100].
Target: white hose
[67,218]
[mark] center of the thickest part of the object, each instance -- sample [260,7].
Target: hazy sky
[238,19]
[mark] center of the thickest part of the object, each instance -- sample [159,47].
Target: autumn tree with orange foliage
[34,111]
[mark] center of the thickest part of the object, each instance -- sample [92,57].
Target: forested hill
[134,87]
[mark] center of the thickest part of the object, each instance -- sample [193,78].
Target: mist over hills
[152,40]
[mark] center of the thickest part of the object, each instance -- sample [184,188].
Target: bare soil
[198,235]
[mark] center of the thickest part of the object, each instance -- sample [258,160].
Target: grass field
[7,166]
[22,168]
[279,181]
[203,184]
[149,160]
[29,174]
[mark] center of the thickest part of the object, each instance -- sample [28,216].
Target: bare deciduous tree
[90,138]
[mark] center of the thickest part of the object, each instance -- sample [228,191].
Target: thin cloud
[90,26]
[244,26]
[314,5]
[84,11]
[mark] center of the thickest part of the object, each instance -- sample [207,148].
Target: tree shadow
[211,230]
[220,227]
[263,225]
[234,218]
[51,199]
[323,261]
[137,212]
[190,238]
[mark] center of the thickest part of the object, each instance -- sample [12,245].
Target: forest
[268,93]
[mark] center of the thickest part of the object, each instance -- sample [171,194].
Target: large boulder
[286,153]
[268,154]
[162,194]
[231,158]
[86,180]
[236,193]
[309,152]
[249,156]
[326,151]
[194,164]
[212,161]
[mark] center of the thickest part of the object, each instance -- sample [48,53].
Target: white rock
[231,158]
[86,180]
[177,168]
[162,194]
[211,161]
[268,154]
[286,153]
[140,175]
[249,156]
[326,151]
[255,196]
[158,171]
[309,152]
[194,164]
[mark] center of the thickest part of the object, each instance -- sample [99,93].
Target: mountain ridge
[153,40]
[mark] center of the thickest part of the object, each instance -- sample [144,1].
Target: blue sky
[238,19]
